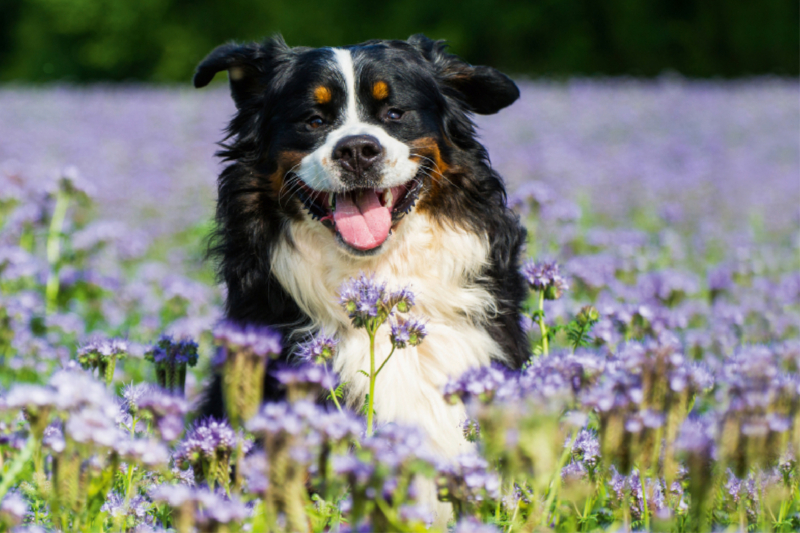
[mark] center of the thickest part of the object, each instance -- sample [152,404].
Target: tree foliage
[163,40]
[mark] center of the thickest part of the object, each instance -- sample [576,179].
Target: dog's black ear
[484,90]
[249,66]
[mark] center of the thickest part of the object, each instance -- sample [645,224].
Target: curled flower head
[364,298]
[545,277]
[132,394]
[318,350]
[101,348]
[207,449]
[173,352]
[166,410]
[306,380]
[102,355]
[260,341]
[402,300]
[408,332]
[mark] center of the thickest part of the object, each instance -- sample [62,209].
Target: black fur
[271,85]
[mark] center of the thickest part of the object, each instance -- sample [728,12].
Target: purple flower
[261,341]
[410,331]
[148,452]
[216,509]
[101,347]
[13,509]
[206,449]
[255,469]
[364,298]
[308,374]
[467,478]
[169,351]
[402,300]
[94,427]
[318,350]
[472,525]
[117,507]
[545,277]
[173,495]
[166,410]
[416,513]
[479,382]
[586,449]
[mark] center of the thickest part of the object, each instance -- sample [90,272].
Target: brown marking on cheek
[380,91]
[427,153]
[322,95]
[277,180]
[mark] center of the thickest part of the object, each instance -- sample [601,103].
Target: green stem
[15,468]
[372,376]
[54,249]
[579,340]
[645,510]
[555,482]
[587,509]
[384,362]
[543,326]
[335,401]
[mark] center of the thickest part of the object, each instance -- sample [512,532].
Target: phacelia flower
[102,355]
[409,332]
[260,341]
[207,450]
[364,298]
[13,509]
[306,380]
[166,410]
[467,478]
[318,350]
[171,359]
[545,277]
[244,350]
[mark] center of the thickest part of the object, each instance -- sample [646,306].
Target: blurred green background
[163,40]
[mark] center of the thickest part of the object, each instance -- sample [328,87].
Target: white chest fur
[442,267]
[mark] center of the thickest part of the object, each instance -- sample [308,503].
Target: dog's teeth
[388,197]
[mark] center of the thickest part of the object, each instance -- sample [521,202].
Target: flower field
[662,393]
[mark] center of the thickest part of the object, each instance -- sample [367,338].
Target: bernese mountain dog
[365,159]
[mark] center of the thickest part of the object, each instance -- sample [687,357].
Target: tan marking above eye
[380,91]
[322,94]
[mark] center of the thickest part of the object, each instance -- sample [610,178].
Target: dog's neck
[442,265]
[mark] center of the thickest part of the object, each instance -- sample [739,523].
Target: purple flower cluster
[166,411]
[467,478]
[545,278]
[319,349]
[260,341]
[408,332]
[364,299]
[171,352]
[207,509]
[208,439]
[307,420]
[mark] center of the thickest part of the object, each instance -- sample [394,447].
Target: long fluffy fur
[458,249]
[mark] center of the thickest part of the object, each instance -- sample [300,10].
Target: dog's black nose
[357,153]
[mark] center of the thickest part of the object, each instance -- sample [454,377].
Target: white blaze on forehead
[344,60]
[318,169]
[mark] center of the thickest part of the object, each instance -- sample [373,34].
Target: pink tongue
[362,221]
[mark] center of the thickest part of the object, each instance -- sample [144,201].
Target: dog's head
[352,137]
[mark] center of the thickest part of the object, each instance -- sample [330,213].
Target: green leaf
[363,372]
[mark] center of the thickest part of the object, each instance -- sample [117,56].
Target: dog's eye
[394,114]
[315,122]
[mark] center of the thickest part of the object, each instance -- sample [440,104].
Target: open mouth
[363,218]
